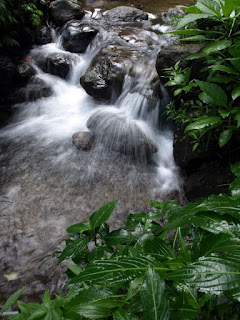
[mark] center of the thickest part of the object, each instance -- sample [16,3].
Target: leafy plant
[14,15]
[188,268]
[212,100]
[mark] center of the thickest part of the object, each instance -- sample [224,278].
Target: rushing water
[47,184]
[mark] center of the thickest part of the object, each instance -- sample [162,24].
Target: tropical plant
[188,268]
[14,15]
[212,100]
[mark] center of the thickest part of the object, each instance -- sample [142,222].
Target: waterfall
[47,184]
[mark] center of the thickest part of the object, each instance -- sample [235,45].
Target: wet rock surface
[58,64]
[121,134]
[125,14]
[64,10]
[83,140]
[103,79]
[76,36]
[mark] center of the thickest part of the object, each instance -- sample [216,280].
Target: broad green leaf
[192,17]
[74,268]
[236,117]
[121,314]
[91,312]
[186,31]
[235,169]
[216,274]
[49,316]
[235,62]
[205,98]
[236,93]
[114,271]
[184,250]
[195,38]
[157,246]
[224,137]
[38,313]
[235,50]
[73,249]
[228,7]
[155,303]
[224,113]
[101,215]
[235,187]
[220,67]
[216,46]
[134,288]
[191,9]
[203,123]
[209,6]
[216,224]
[220,204]
[12,299]
[197,55]
[46,299]
[215,92]
[77,228]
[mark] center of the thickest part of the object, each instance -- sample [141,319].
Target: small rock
[83,140]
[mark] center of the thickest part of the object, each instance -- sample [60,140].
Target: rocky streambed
[87,127]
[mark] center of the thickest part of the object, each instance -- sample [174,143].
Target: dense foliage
[208,104]
[188,268]
[14,14]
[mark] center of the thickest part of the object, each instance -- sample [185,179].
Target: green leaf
[215,92]
[219,67]
[228,7]
[235,62]
[46,299]
[12,299]
[157,246]
[73,249]
[208,6]
[100,216]
[195,38]
[91,312]
[224,113]
[235,168]
[203,123]
[216,46]
[224,137]
[189,18]
[121,314]
[236,93]
[77,228]
[114,271]
[197,55]
[74,268]
[154,301]
[186,31]
[216,274]
[184,250]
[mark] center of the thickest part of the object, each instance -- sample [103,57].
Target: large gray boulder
[104,77]
[58,64]
[125,14]
[119,133]
[76,36]
[65,10]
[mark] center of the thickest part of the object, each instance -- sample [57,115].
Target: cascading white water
[46,184]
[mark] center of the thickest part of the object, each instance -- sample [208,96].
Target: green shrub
[188,268]
[13,16]
[209,105]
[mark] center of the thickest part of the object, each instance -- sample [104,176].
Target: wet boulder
[58,64]
[65,10]
[83,140]
[36,89]
[76,36]
[125,14]
[24,72]
[119,133]
[104,77]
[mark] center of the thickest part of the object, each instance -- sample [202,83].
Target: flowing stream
[48,184]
